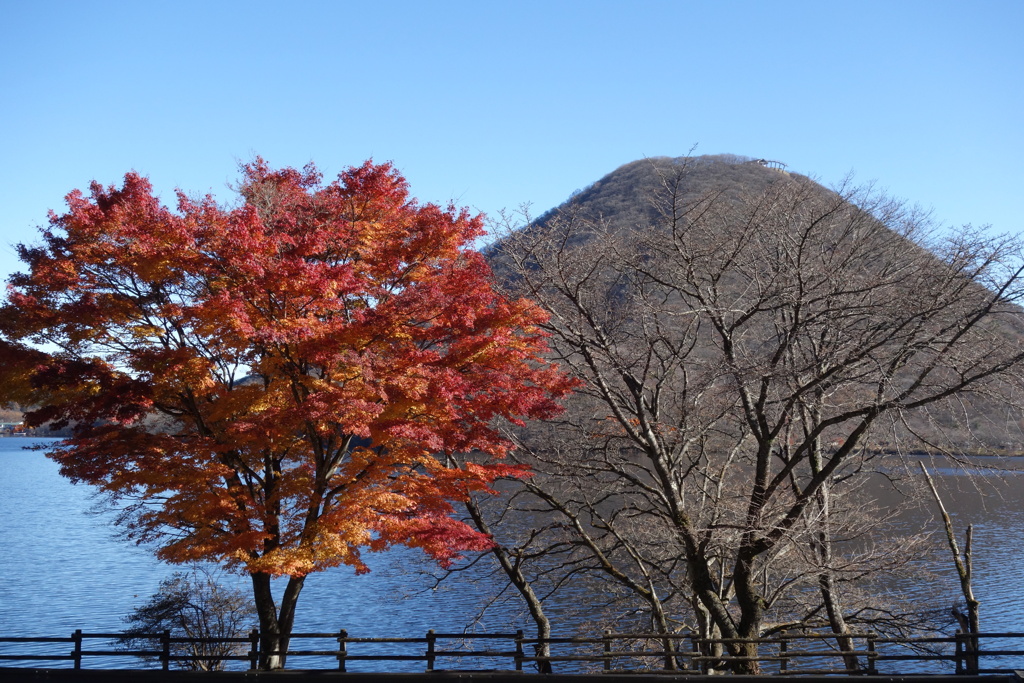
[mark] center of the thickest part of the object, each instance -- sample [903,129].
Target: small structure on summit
[767,163]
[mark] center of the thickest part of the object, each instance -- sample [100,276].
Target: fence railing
[787,654]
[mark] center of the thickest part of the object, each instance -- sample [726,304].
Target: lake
[64,567]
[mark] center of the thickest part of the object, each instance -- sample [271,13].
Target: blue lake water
[65,568]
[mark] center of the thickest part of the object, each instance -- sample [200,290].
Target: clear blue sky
[492,104]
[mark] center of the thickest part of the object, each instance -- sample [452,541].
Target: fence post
[967,659]
[77,635]
[783,649]
[519,650]
[972,648]
[607,650]
[165,650]
[342,648]
[430,649]
[254,649]
[695,650]
[872,654]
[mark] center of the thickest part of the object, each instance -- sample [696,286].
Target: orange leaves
[268,385]
[17,365]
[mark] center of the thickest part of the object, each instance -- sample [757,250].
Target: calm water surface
[64,567]
[994,504]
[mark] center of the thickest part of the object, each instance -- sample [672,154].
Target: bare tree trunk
[661,624]
[275,627]
[707,630]
[821,544]
[513,570]
[836,620]
[970,623]
[752,606]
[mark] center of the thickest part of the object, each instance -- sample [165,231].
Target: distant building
[11,428]
[768,163]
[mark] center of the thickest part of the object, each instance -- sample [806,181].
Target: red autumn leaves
[277,384]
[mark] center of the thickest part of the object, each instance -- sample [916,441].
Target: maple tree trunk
[275,626]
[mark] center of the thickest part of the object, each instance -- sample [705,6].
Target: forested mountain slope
[650,195]
[750,348]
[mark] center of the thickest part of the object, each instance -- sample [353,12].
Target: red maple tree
[276,386]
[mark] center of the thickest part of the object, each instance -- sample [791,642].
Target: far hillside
[645,196]
[10,415]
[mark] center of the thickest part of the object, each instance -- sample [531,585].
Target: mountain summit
[728,254]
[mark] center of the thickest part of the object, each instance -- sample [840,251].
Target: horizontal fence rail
[783,654]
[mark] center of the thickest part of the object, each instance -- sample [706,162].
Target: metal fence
[785,654]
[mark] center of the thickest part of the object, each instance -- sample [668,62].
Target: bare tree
[197,608]
[743,352]
[968,619]
[513,561]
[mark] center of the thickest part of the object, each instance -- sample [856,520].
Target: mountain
[626,193]
[765,215]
